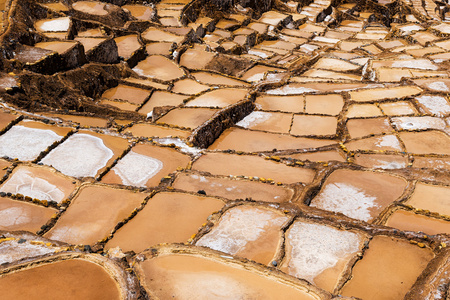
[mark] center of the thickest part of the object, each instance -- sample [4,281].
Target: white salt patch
[80,155]
[422,64]
[390,165]
[326,40]
[26,143]
[290,90]
[438,86]
[179,143]
[346,199]
[254,118]
[12,251]
[136,169]
[410,28]
[258,53]
[25,183]
[239,226]
[418,123]
[56,25]
[13,216]
[316,248]
[309,47]
[388,141]
[256,77]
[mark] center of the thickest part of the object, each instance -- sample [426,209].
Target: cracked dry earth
[225,150]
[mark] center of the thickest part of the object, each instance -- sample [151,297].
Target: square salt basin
[166,218]
[409,221]
[384,93]
[267,121]
[17,215]
[363,110]
[381,161]
[187,117]
[145,165]
[219,98]
[232,189]
[162,98]
[159,67]
[148,130]
[85,154]
[27,139]
[93,213]
[217,79]
[430,197]
[294,104]
[127,93]
[358,194]
[387,142]
[247,231]
[387,270]
[330,104]
[320,253]
[399,108]
[426,142]
[189,87]
[249,165]
[364,127]
[40,182]
[254,141]
[313,125]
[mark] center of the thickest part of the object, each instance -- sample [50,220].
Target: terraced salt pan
[246,231]
[136,169]
[25,143]
[418,123]
[436,105]
[319,253]
[219,98]
[80,155]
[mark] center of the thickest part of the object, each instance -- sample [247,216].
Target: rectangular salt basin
[232,189]
[409,221]
[148,130]
[250,165]
[27,139]
[253,141]
[93,213]
[387,270]
[267,121]
[144,166]
[435,198]
[187,117]
[384,93]
[218,98]
[85,154]
[202,276]
[166,218]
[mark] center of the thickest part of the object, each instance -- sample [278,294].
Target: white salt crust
[81,155]
[436,105]
[418,123]
[239,226]
[388,141]
[346,199]
[12,251]
[26,143]
[56,25]
[315,248]
[254,118]
[25,183]
[136,169]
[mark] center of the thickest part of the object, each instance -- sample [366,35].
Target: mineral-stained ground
[225,149]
